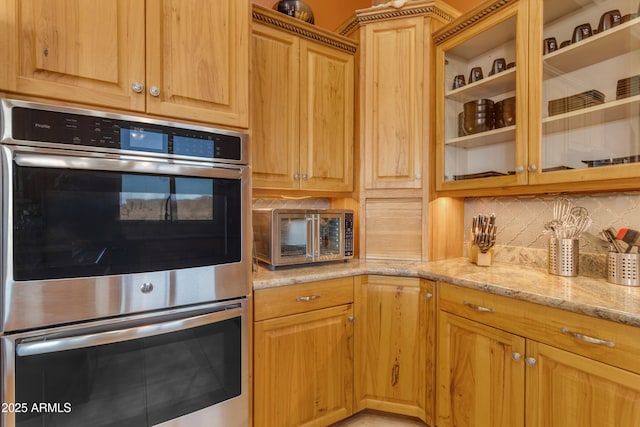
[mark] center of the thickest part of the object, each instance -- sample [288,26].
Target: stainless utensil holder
[563,256]
[623,269]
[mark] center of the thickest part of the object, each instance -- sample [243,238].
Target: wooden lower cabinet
[394,344]
[565,389]
[480,375]
[493,368]
[303,368]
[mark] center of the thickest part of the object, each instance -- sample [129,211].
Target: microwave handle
[45,345]
[311,236]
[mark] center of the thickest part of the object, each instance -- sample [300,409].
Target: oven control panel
[99,130]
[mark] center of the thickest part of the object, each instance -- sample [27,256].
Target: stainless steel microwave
[301,236]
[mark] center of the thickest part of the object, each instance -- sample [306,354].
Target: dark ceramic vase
[295,8]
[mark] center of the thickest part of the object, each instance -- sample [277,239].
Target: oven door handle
[124,164]
[45,344]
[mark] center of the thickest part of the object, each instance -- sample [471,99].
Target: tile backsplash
[522,239]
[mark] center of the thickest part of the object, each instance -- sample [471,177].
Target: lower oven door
[180,368]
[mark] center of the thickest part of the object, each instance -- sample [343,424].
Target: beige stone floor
[372,419]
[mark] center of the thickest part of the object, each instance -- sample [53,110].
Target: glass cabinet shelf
[622,109]
[485,88]
[495,136]
[609,44]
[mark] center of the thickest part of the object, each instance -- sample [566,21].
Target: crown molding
[436,9]
[303,29]
[469,18]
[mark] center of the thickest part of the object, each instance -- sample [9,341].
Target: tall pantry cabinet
[186,60]
[394,119]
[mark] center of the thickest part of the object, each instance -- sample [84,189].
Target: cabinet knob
[515,356]
[154,91]
[305,176]
[137,87]
[532,167]
[530,361]
[428,295]
[418,175]
[519,169]
[296,176]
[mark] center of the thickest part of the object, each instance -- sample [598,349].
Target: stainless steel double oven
[125,268]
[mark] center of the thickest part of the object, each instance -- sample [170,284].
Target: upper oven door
[140,232]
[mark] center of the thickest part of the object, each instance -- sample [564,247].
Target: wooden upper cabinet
[186,60]
[198,59]
[326,125]
[302,105]
[393,80]
[75,50]
[274,107]
[551,141]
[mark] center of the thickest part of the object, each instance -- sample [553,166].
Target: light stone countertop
[591,296]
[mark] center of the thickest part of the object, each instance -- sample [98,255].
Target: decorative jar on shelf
[295,8]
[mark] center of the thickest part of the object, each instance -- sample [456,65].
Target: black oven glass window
[142,382]
[76,223]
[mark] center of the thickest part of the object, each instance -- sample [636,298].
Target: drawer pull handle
[479,307]
[587,338]
[307,298]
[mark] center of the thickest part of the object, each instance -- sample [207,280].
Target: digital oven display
[140,139]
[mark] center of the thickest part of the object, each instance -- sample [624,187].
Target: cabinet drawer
[284,300]
[610,342]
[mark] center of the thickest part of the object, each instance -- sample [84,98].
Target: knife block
[472,250]
[477,257]
[484,259]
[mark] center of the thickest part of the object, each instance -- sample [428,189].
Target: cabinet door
[326,118]
[480,375]
[481,93]
[564,389]
[303,368]
[74,50]
[395,326]
[585,101]
[393,104]
[198,60]
[275,122]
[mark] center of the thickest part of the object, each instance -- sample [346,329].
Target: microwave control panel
[348,234]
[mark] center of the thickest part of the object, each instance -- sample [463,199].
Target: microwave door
[294,242]
[329,236]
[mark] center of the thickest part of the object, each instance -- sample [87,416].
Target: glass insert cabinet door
[481,90]
[587,55]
